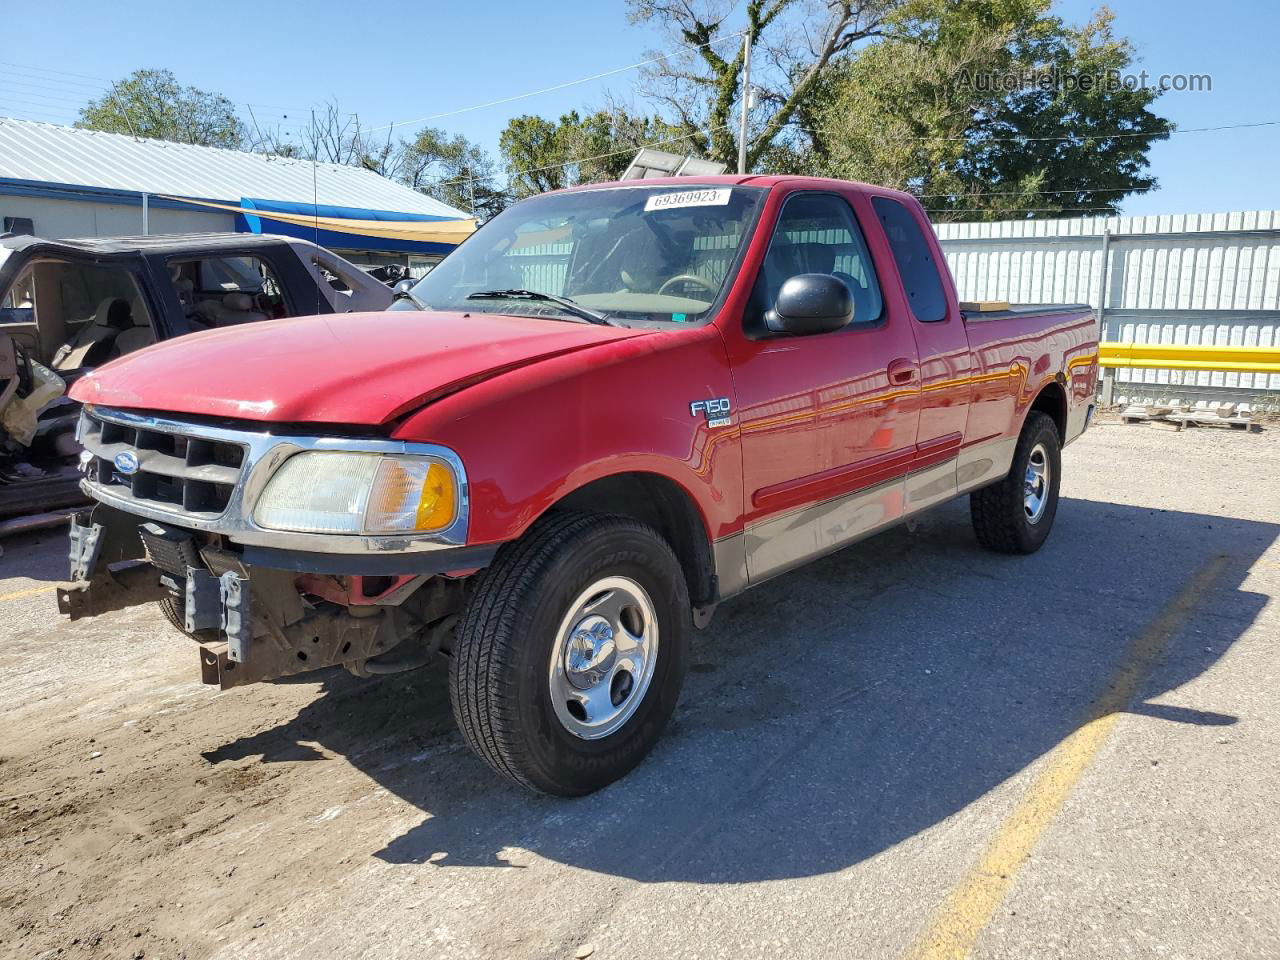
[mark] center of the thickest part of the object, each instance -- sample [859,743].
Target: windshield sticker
[679,317]
[717,197]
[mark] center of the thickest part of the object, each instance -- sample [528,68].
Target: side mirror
[402,288]
[811,303]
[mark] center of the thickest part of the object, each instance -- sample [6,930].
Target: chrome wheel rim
[603,658]
[1035,485]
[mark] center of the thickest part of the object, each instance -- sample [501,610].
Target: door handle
[902,371]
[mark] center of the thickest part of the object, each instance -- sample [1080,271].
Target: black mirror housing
[811,303]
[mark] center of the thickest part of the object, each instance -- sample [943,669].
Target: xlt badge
[715,410]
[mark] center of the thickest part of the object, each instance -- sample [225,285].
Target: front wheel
[571,654]
[1016,514]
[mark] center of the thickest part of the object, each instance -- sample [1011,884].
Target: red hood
[353,368]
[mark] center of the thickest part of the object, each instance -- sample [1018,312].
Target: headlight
[370,493]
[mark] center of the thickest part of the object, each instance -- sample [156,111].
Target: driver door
[828,420]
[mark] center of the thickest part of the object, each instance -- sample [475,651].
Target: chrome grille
[177,471]
[204,476]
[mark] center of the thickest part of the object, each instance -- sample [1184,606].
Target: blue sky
[438,57]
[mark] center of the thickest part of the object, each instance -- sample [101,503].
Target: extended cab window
[915,263]
[655,254]
[817,233]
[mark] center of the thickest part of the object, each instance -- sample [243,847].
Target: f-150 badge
[716,411]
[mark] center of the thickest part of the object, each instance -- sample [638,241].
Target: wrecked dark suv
[69,306]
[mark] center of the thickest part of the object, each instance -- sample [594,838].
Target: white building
[62,182]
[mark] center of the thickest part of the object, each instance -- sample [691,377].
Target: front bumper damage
[251,623]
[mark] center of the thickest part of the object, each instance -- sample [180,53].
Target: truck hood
[350,368]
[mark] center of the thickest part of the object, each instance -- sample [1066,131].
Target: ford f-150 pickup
[611,409]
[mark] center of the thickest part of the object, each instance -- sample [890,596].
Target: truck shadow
[831,713]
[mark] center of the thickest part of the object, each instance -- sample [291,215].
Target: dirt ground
[849,738]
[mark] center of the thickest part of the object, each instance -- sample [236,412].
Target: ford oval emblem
[126,463]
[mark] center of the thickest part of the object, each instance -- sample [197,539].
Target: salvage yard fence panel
[1196,279]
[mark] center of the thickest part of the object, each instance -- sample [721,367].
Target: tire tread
[995,509]
[483,701]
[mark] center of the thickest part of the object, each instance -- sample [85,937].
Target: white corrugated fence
[1185,278]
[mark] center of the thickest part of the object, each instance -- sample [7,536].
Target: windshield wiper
[564,302]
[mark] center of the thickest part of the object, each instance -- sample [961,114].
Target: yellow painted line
[31,592]
[969,907]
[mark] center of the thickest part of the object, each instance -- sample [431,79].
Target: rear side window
[915,262]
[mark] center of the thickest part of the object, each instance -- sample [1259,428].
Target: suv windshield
[631,253]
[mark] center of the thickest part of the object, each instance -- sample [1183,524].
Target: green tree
[453,170]
[151,103]
[543,154]
[793,42]
[979,107]
[535,153]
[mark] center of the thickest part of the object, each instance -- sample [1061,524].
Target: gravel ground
[851,739]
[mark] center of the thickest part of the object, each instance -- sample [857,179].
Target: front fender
[531,436]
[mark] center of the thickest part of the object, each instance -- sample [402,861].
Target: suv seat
[96,342]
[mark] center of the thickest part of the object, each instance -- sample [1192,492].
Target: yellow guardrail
[1173,356]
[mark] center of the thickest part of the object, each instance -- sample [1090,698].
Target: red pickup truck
[608,411]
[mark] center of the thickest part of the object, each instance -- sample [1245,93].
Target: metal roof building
[64,182]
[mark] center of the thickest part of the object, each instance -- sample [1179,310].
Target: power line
[959,194]
[602,156]
[7,88]
[33,115]
[54,84]
[580,160]
[1099,136]
[1086,135]
[40,69]
[100,89]
[985,211]
[33,107]
[552,89]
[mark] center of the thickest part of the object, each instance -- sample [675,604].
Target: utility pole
[746,101]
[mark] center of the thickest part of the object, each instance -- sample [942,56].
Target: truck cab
[612,409]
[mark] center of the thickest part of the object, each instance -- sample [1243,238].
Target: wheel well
[1052,400]
[664,505]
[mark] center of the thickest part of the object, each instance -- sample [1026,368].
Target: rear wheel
[1016,514]
[571,654]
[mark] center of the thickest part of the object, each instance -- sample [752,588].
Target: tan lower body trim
[778,544]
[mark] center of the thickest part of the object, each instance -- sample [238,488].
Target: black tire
[174,610]
[499,675]
[999,513]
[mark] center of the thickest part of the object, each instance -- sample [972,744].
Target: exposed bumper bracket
[111,590]
[202,601]
[237,619]
[98,539]
[322,639]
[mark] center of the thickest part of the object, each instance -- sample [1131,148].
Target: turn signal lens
[411,495]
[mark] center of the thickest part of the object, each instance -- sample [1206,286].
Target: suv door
[828,420]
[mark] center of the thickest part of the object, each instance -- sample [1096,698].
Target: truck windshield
[629,253]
